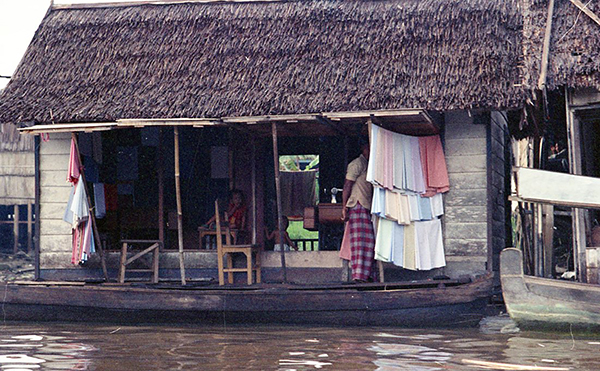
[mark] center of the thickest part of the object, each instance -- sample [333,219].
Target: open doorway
[299,176]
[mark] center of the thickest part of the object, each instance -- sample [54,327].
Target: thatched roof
[260,58]
[574,56]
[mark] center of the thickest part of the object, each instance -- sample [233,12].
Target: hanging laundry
[345,249]
[78,213]
[373,146]
[429,243]
[407,205]
[434,165]
[384,240]
[409,248]
[437,205]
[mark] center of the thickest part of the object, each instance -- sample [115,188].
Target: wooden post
[29,227]
[36,256]
[548,236]
[253,180]
[538,241]
[278,194]
[161,189]
[574,148]
[179,213]
[16,229]
[98,243]
[230,162]
[546,47]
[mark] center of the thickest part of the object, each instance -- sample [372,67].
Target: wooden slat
[142,253]
[586,10]
[534,185]
[68,128]
[16,229]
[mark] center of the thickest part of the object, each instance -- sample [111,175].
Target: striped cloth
[362,243]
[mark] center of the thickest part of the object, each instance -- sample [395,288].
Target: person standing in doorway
[356,198]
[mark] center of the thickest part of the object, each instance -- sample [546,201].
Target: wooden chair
[227,249]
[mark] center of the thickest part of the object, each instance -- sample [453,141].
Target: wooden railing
[307,244]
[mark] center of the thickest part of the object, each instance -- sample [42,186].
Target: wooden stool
[154,247]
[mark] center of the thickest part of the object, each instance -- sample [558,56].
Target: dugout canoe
[444,303]
[547,304]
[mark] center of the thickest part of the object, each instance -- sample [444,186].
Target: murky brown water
[47,346]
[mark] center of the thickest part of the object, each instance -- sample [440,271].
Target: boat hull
[462,305]
[540,303]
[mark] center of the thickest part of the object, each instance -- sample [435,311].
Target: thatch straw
[242,59]
[574,47]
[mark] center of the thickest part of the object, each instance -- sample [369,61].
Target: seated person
[276,235]
[235,214]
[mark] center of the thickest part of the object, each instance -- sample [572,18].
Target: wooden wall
[465,220]
[55,234]
[475,223]
[17,184]
[498,193]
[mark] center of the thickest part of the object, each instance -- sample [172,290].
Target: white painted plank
[56,146]
[54,227]
[460,181]
[466,164]
[50,178]
[55,194]
[466,230]
[56,244]
[534,185]
[465,146]
[54,210]
[55,162]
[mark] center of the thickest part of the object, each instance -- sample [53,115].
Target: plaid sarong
[362,243]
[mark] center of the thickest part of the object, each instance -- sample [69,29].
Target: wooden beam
[418,113]
[68,128]
[196,122]
[586,10]
[330,124]
[149,2]
[252,120]
[543,186]
[155,245]
[546,47]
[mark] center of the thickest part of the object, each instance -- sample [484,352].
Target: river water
[52,346]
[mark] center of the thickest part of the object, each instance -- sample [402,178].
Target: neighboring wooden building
[224,72]
[16,190]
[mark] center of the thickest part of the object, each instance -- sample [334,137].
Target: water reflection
[135,348]
[48,352]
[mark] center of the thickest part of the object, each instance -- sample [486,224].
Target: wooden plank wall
[16,178]
[55,234]
[498,173]
[465,220]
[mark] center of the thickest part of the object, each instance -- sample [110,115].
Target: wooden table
[226,232]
